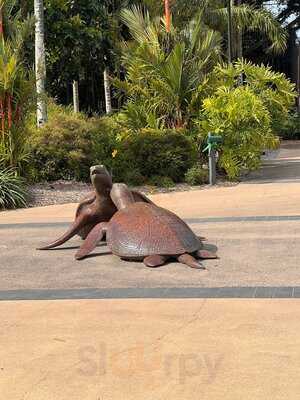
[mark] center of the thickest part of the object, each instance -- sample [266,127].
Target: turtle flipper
[155,261]
[72,231]
[189,260]
[202,238]
[91,241]
[205,254]
[138,196]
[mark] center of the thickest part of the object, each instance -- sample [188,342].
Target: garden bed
[61,192]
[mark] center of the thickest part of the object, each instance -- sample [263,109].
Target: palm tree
[165,70]
[40,62]
[244,18]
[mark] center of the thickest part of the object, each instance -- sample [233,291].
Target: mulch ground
[61,192]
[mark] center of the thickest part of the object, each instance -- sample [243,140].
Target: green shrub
[273,88]
[161,181]
[69,144]
[196,175]
[12,190]
[243,120]
[288,128]
[153,152]
[132,177]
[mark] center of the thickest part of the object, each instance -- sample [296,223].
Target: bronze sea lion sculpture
[141,231]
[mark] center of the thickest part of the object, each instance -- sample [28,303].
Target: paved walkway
[280,166]
[181,345]
[255,227]
[150,349]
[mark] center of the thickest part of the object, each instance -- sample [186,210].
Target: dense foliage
[12,190]
[69,144]
[273,88]
[165,70]
[242,119]
[16,87]
[170,88]
[150,152]
[289,128]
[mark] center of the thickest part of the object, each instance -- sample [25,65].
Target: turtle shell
[141,229]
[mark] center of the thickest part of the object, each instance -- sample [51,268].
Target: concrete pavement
[158,348]
[247,199]
[151,349]
[263,253]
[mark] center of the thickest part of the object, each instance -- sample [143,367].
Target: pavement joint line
[255,218]
[237,292]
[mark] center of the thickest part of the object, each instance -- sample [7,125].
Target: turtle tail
[78,224]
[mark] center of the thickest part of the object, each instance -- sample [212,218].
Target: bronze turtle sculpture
[141,231]
[96,207]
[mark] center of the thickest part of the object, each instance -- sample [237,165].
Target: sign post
[212,143]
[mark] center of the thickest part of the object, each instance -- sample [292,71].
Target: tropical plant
[12,190]
[16,88]
[274,89]
[196,175]
[245,17]
[165,70]
[288,127]
[244,122]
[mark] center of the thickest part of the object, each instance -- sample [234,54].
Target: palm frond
[246,17]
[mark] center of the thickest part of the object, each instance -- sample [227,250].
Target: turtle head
[121,195]
[101,179]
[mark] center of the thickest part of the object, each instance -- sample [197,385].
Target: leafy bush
[273,88]
[132,177]
[288,128]
[196,175]
[69,144]
[12,190]
[155,153]
[244,121]
[162,181]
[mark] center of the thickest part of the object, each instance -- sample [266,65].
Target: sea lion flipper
[72,231]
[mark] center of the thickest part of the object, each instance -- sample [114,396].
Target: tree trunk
[298,77]
[1,23]
[107,91]
[239,37]
[167,15]
[75,97]
[229,30]
[24,8]
[40,62]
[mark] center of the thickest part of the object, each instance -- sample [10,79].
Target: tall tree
[245,18]
[40,62]
[165,70]
[107,93]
